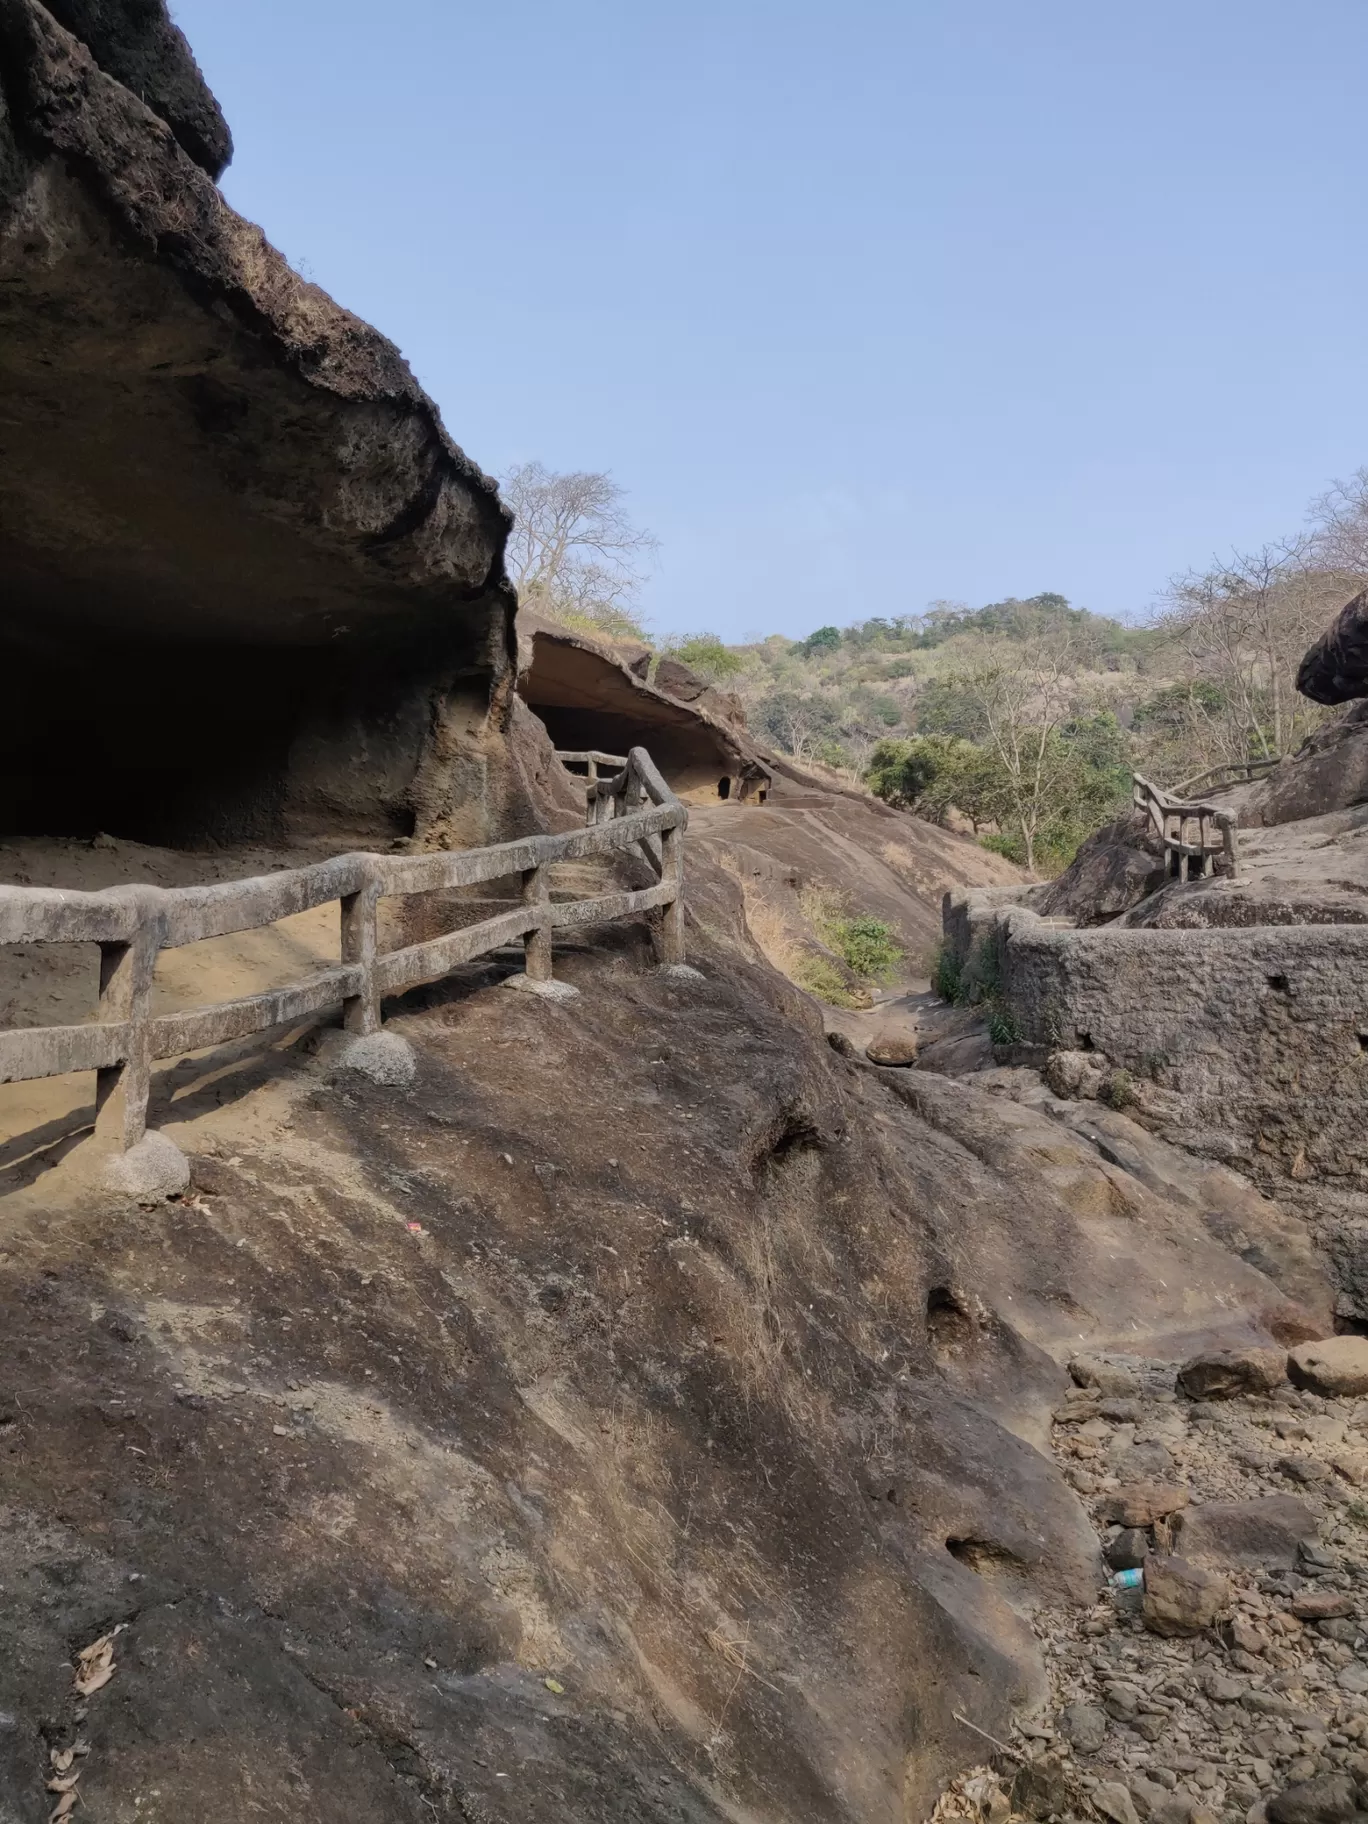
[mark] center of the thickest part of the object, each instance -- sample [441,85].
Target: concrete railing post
[121,1090]
[670,932]
[537,943]
[361,1012]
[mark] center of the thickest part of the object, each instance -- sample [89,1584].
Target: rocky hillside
[616,1422]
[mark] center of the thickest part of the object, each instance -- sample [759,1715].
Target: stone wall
[1247,1045]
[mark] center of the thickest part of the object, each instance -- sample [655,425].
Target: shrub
[1002,1026]
[822,978]
[1117,1089]
[869,946]
[946,972]
[866,945]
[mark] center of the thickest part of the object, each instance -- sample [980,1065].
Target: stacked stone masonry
[1259,1035]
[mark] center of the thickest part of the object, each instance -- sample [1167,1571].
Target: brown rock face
[1337,1365]
[222,497]
[135,42]
[1180,1598]
[1224,1373]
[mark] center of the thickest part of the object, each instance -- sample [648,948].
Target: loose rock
[1113,1800]
[1142,1503]
[1041,1788]
[1180,1598]
[1084,1726]
[1224,1373]
[1260,1534]
[1329,1800]
[1335,1366]
[1129,1549]
[892,1049]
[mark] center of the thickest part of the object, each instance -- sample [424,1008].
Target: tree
[1242,628]
[1338,539]
[573,553]
[706,654]
[796,723]
[826,639]
[1023,704]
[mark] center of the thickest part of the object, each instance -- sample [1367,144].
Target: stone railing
[133,924]
[1172,819]
[1230,772]
[591,760]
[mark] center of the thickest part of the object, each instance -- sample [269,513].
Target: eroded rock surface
[235,532]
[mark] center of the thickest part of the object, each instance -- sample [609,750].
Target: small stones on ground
[1240,1672]
[1336,1366]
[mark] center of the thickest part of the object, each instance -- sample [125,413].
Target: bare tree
[1023,701]
[1242,628]
[573,553]
[1338,536]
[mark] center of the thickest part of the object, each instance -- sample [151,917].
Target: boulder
[1321,1605]
[1260,1534]
[1075,1075]
[1114,870]
[1328,1800]
[1335,1366]
[1093,1371]
[1221,1374]
[892,1048]
[1335,668]
[1180,1598]
[1142,1503]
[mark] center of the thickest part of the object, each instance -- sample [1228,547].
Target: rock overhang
[207,467]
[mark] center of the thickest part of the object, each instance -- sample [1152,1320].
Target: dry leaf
[63,1808]
[95,1679]
[65,1784]
[62,1758]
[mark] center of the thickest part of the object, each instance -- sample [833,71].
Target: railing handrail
[133,924]
[1170,816]
[590,757]
[1241,771]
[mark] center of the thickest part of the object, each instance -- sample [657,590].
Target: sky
[865,305]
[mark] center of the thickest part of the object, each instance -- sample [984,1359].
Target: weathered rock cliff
[245,565]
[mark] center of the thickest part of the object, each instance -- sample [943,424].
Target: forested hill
[1022,720]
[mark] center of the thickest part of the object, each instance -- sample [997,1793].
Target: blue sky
[864,304]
